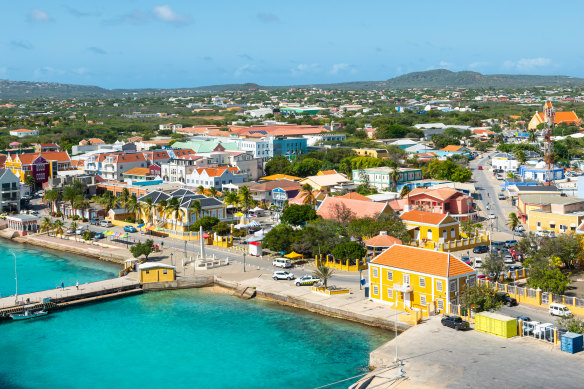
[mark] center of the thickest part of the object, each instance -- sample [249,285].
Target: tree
[200,189]
[308,196]
[405,191]
[280,238]
[147,209]
[349,250]
[46,225]
[52,196]
[208,222]
[29,180]
[298,214]
[548,278]
[306,167]
[572,324]
[324,273]
[481,298]
[81,202]
[277,165]
[565,247]
[58,226]
[74,227]
[161,209]
[394,176]
[245,199]
[230,198]
[447,170]
[213,191]
[132,206]
[195,207]
[221,229]
[468,227]
[494,265]
[124,196]
[73,190]
[174,210]
[513,222]
[145,249]
[108,200]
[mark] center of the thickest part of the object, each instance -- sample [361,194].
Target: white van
[105,223]
[282,262]
[559,310]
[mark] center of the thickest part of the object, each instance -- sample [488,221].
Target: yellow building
[156,272]
[375,153]
[538,220]
[414,278]
[431,227]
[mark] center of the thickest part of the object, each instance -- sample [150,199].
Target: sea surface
[39,269]
[175,339]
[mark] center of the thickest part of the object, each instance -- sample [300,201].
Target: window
[552,225]
[375,272]
[422,300]
[472,281]
[165,271]
[147,271]
[406,279]
[422,282]
[453,233]
[429,234]
[439,286]
[440,304]
[375,289]
[390,276]
[453,286]
[390,293]
[538,224]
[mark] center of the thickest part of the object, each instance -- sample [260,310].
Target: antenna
[549,114]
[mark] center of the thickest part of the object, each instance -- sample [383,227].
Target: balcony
[404,288]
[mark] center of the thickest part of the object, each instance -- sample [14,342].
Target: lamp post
[244,262]
[171,262]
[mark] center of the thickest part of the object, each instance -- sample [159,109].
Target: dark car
[455,322]
[523,318]
[506,299]
[98,235]
[94,221]
[480,249]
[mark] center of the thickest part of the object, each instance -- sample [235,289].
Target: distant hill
[440,78]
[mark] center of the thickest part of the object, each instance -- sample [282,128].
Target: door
[417,234]
[444,235]
[407,299]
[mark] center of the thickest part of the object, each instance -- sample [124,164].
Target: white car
[282,275]
[491,216]
[478,263]
[306,280]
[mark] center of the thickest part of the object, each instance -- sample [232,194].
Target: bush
[75,217]
[221,229]
[130,219]
[59,214]
[349,250]
[298,214]
[208,222]
[85,220]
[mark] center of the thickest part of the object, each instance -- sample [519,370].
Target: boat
[28,314]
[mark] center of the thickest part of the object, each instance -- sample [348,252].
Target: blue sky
[168,44]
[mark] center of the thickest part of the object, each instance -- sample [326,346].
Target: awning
[238,214]
[132,260]
[140,225]
[255,243]
[294,255]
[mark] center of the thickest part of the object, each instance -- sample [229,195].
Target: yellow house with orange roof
[567,117]
[414,278]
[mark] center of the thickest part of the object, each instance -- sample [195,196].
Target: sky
[174,44]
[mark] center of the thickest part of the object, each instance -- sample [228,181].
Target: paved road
[537,314]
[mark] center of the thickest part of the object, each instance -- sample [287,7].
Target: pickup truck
[506,299]
[455,322]
[306,280]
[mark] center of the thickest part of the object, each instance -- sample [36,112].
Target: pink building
[442,200]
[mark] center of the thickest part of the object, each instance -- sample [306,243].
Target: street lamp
[171,262]
[244,262]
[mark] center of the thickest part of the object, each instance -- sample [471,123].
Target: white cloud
[166,14]
[3,71]
[526,64]
[478,64]
[304,68]
[338,67]
[444,64]
[244,69]
[38,15]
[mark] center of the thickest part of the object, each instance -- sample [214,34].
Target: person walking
[62,285]
[77,285]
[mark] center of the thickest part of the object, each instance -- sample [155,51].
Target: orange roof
[216,171]
[59,156]
[22,130]
[423,261]
[382,241]
[355,196]
[281,177]
[328,208]
[325,172]
[138,171]
[424,217]
[560,117]
[96,141]
[451,148]
[439,193]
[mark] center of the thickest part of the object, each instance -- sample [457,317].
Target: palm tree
[195,207]
[147,209]
[132,206]
[405,191]
[324,273]
[161,208]
[213,191]
[46,225]
[74,226]
[80,202]
[52,197]
[58,226]
[200,189]
[230,198]
[245,199]
[531,138]
[308,198]
[173,209]
[108,200]
[394,175]
[124,197]
[513,222]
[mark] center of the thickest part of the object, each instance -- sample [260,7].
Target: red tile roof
[382,241]
[439,193]
[423,217]
[423,261]
[329,206]
[355,196]
[217,171]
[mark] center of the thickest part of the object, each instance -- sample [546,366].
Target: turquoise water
[183,339]
[41,269]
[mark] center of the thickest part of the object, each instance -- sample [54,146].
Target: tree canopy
[298,214]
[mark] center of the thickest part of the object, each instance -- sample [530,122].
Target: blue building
[288,147]
[540,172]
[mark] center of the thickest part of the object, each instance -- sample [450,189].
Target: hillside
[440,78]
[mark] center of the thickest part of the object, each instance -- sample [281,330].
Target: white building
[9,191]
[316,139]
[215,177]
[24,132]
[505,161]
[170,126]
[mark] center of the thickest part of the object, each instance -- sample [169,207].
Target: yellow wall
[156,275]
[437,232]
[546,217]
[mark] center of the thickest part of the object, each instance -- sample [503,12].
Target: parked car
[481,249]
[491,216]
[515,254]
[519,228]
[506,299]
[501,196]
[130,229]
[306,280]
[498,245]
[523,318]
[282,262]
[559,310]
[478,263]
[508,260]
[70,231]
[466,259]
[455,322]
[511,243]
[282,275]
[81,230]
[515,267]
[480,168]
[98,235]
[94,221]
[105,223]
